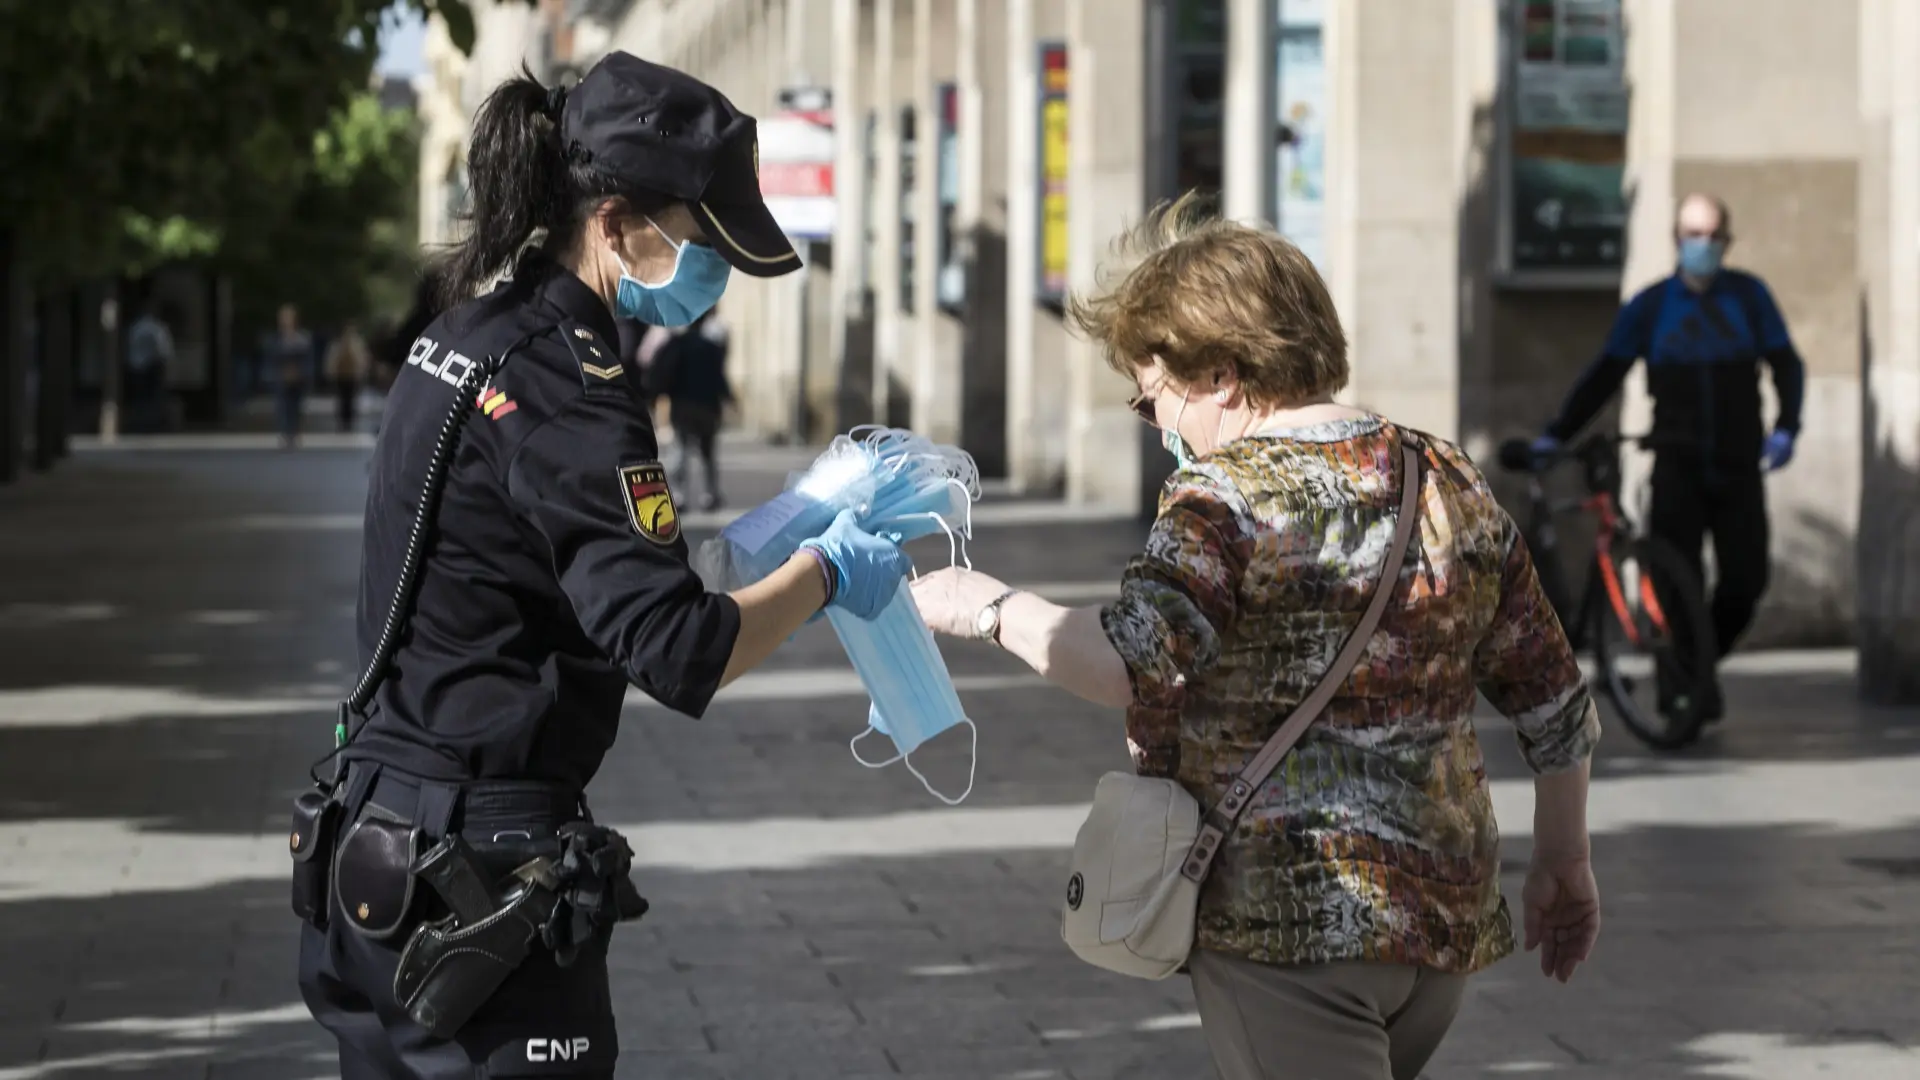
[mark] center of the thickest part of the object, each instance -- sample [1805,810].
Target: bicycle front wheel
[1652,641]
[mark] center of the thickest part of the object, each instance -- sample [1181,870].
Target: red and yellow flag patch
[649,502]
[495,403]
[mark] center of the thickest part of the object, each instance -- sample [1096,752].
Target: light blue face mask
[1700,256]
[1183,454]
[699,277]
[913,694]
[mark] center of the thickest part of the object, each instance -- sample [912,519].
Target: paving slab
[175,620]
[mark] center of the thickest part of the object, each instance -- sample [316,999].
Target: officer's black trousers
[544,1021]
[1691,501]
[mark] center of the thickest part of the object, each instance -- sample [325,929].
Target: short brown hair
[1203,293]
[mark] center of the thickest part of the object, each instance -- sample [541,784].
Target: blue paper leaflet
[896,482]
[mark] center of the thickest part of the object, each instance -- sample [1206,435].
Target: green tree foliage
[343,247]
[133,131]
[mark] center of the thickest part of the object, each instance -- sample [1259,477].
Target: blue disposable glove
[1778,451]
[1546,446]
[866,568]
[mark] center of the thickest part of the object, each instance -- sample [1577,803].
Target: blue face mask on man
[1700,256]
[699,277]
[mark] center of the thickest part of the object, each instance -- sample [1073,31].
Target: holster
[452,966]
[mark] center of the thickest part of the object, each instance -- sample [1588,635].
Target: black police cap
[658,129]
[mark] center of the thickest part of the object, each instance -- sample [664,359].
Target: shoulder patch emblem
[649,502]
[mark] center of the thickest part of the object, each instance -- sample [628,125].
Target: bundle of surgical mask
[899,485]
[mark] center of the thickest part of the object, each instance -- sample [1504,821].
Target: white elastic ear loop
[973,764]
[853,745]
[956,543]
[679,252]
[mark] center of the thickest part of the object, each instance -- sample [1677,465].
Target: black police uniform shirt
[556,573]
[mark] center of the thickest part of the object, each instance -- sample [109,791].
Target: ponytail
[521,179]
[515,171]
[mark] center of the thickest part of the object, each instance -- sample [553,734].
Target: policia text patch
[649,502]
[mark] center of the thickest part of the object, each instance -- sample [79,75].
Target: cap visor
[747,237]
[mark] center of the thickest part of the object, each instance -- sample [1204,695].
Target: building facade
[1481,182]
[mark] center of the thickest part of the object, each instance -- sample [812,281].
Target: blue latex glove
[1546,446]
[866,568]
[1778,451]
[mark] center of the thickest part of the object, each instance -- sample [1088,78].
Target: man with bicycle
[1703,331]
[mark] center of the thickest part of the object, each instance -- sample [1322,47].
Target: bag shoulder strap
[1216,825]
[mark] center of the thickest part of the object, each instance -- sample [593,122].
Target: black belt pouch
[311,842]
[373,873]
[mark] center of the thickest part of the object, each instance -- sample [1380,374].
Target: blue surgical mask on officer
[699,277]
[1700,256]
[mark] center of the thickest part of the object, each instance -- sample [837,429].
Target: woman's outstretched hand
[951,600]
[1562,904]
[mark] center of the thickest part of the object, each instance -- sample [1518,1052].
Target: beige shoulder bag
[1143,852]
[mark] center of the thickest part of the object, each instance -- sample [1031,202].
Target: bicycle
[1642,608]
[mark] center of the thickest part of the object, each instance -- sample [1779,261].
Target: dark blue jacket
[1703,352]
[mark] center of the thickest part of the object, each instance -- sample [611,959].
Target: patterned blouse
[1375,838]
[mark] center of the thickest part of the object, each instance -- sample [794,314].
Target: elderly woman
[1346,911]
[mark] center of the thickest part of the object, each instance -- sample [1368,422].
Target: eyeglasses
[1142,406]
[1142,403]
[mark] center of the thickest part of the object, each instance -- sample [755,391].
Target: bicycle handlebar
[1518,455]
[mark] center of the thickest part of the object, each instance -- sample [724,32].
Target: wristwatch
[986,625]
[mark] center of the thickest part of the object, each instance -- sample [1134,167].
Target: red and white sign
[797,152]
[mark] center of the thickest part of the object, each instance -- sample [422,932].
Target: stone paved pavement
[174,623]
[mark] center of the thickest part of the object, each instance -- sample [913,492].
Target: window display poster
[1569,124]
[1300,113]
[1053,172]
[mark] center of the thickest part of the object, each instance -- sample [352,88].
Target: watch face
[985,621]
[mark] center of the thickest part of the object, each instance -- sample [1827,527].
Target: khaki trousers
[1351,1020]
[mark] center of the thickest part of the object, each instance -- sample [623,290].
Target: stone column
[1394,155]
[1888,544]
[981,232]
[937,375]
[1026,465]
[1107,187]
[851,320]
[890,33]
[1249,126]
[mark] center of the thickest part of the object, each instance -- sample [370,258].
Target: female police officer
[547,575]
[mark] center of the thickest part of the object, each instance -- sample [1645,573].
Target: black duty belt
[471,807]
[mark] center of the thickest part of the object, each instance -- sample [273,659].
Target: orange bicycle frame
[1601,506]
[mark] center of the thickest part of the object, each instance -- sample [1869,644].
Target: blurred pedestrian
[289,362]
[690,371]
[150,352]
[1354,889]
[1704,331]
[346,371]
